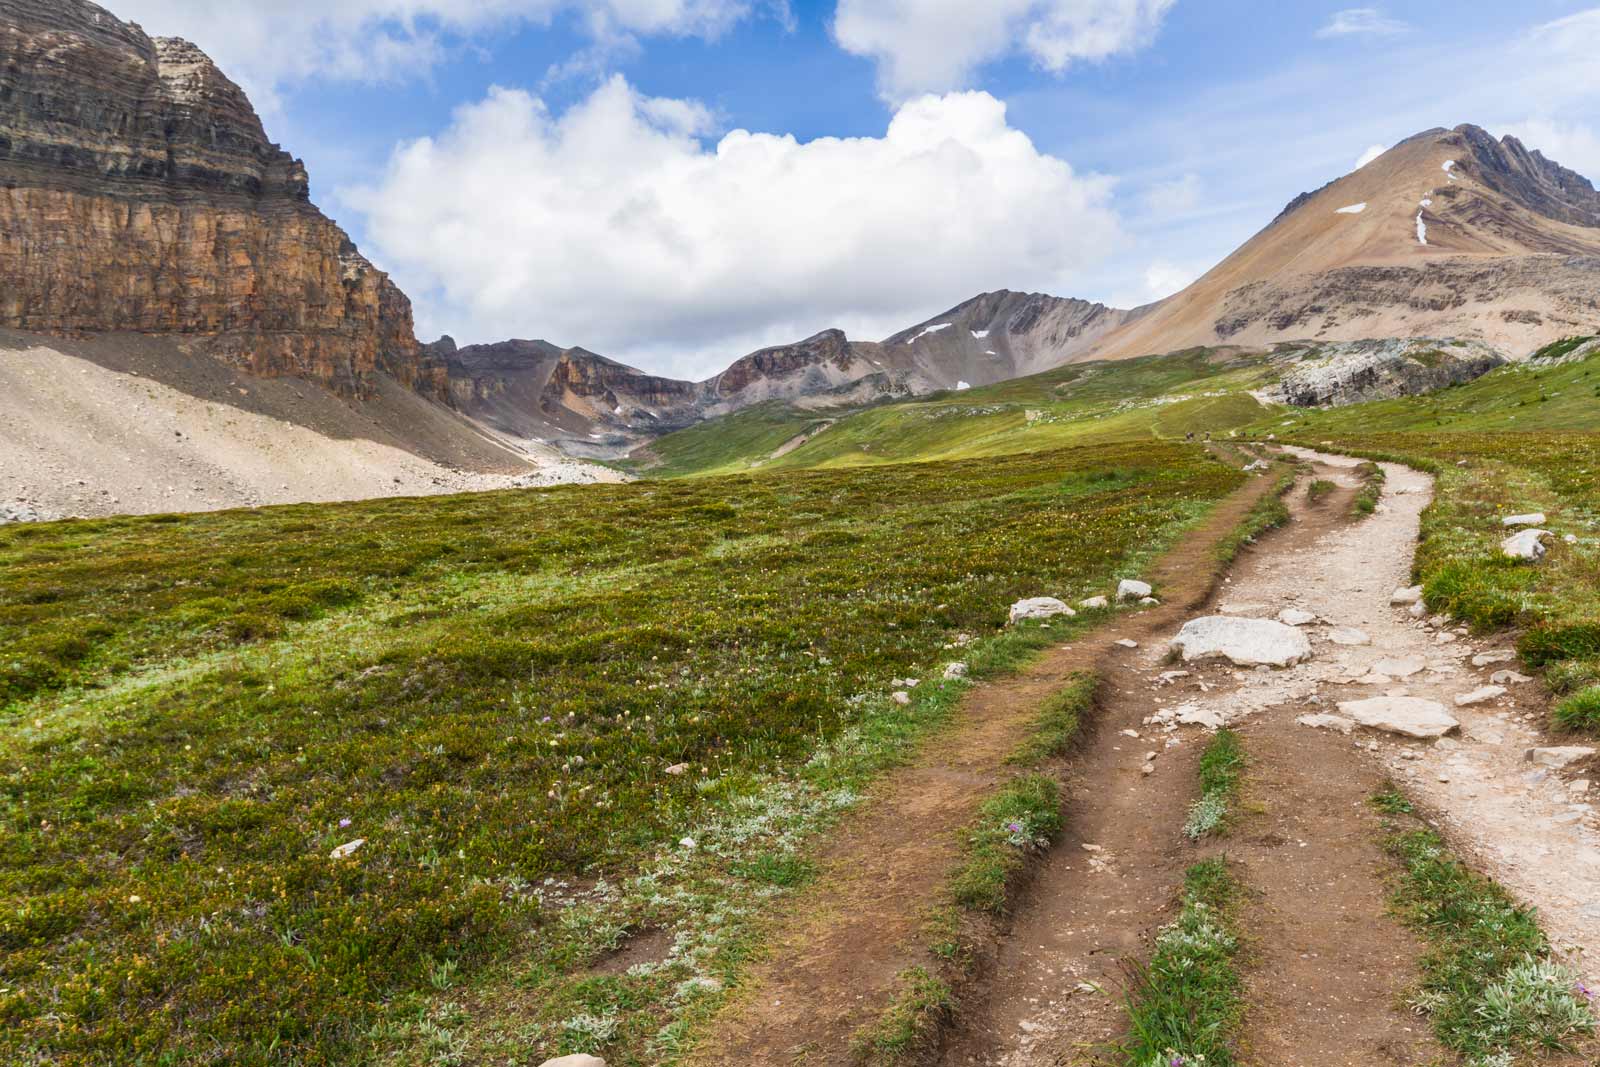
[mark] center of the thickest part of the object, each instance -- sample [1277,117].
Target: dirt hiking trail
[1328,965]
[833,964]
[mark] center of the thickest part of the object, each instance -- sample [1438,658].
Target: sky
[674,183]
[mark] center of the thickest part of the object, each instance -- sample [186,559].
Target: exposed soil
[832,967]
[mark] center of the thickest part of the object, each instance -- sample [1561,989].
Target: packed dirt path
[1329,966]
[833,963]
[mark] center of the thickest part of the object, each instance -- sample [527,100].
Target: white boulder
[1407,716]
[901,697]
[1527,545]
[1094,602]
[1481,695]
[1296,617]
[1039,607]
[1536,518]
[1243,642]
[1128,589]
[1404,597]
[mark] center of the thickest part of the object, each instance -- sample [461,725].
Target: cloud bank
[937,45]
[613,226]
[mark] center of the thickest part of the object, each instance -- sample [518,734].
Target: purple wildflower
[344,823]
[1584,991]
[1015,827]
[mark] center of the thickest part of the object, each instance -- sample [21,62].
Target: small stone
[1296,617]
[1148,769]
[1126,643]
[900,697]
[1570,539]
[1445,638]
[1503,655]
[1128,589]
[1039,607]
[1094,848]
[1131,733]
[678,769]
[1348,635]
[347,849]
[1149,602]
[1508,678]
[578,1060]
[1328,722]
[1536,518]
[1402,597]
[1418,610]
[1094,602]
[1480,696]
[955,671]
[1527,546]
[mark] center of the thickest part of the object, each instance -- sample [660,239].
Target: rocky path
[1330,965]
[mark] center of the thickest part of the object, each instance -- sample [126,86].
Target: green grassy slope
[489,691]
[1155,397]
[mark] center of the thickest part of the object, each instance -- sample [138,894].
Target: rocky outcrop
[1528,178]
[139,193]
[822,361]
[1352,372]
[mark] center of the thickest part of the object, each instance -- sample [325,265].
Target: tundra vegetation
[415,780]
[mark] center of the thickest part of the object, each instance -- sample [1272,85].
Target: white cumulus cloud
[612,226]
[265,44]
[937,45]
[1362,22]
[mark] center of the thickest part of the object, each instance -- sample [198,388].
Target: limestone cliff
[139,192]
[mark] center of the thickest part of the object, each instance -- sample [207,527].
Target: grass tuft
[1372,479]
[1318,489]
[1019,819]
[918,1009]
[1489,982]
[1186,1004]
[1056,727]
[1221,769]
[1580,711]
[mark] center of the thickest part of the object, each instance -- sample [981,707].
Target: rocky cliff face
[1353,372]
[139,192]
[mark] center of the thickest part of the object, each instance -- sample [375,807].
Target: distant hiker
[1189,436]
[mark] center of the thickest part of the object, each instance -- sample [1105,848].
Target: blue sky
[570,169]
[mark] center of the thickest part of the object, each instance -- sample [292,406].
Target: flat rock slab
[1349,635]
[1559,757]
[1535,518]
[1407,596]
[1407,716]
[1481,695]
[1296,617]
[1399,668]
[1039,607]
[1243,642]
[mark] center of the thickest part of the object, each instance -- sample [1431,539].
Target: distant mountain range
[143,196]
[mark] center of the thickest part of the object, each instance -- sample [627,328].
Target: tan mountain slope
[1448,234]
